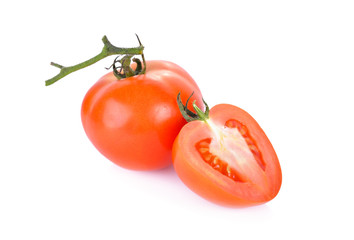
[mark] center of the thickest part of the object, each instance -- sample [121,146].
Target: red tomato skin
[210,184]
[133,122]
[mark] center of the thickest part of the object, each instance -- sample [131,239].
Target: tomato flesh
[230,169]
[228,159]
[232,156]
[251,143]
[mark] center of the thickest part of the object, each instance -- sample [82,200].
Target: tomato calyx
[125,70]
[108,50]
[190,116]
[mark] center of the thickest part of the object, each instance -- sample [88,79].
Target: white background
[290,64]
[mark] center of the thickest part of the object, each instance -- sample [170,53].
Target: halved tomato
[227,158]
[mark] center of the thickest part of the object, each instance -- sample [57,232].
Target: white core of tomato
[230,146]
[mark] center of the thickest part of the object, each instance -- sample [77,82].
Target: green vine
[108,50]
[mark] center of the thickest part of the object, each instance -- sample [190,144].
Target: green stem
[108,50]
[188,114]
[203,116]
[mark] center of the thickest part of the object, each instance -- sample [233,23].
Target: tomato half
[134,121]
[227,159]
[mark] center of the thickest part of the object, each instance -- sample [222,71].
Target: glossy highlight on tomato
[227,159]
[134,121]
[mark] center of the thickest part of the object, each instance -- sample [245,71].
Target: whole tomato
[225,157]
[134,121]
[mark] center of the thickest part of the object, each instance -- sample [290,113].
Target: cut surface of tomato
[227,159]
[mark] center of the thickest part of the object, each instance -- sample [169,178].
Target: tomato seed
[204,144]
[253,148]
[207,157]
[215,161]
[230,124]
[243,130]
[203,150]
[248,140]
